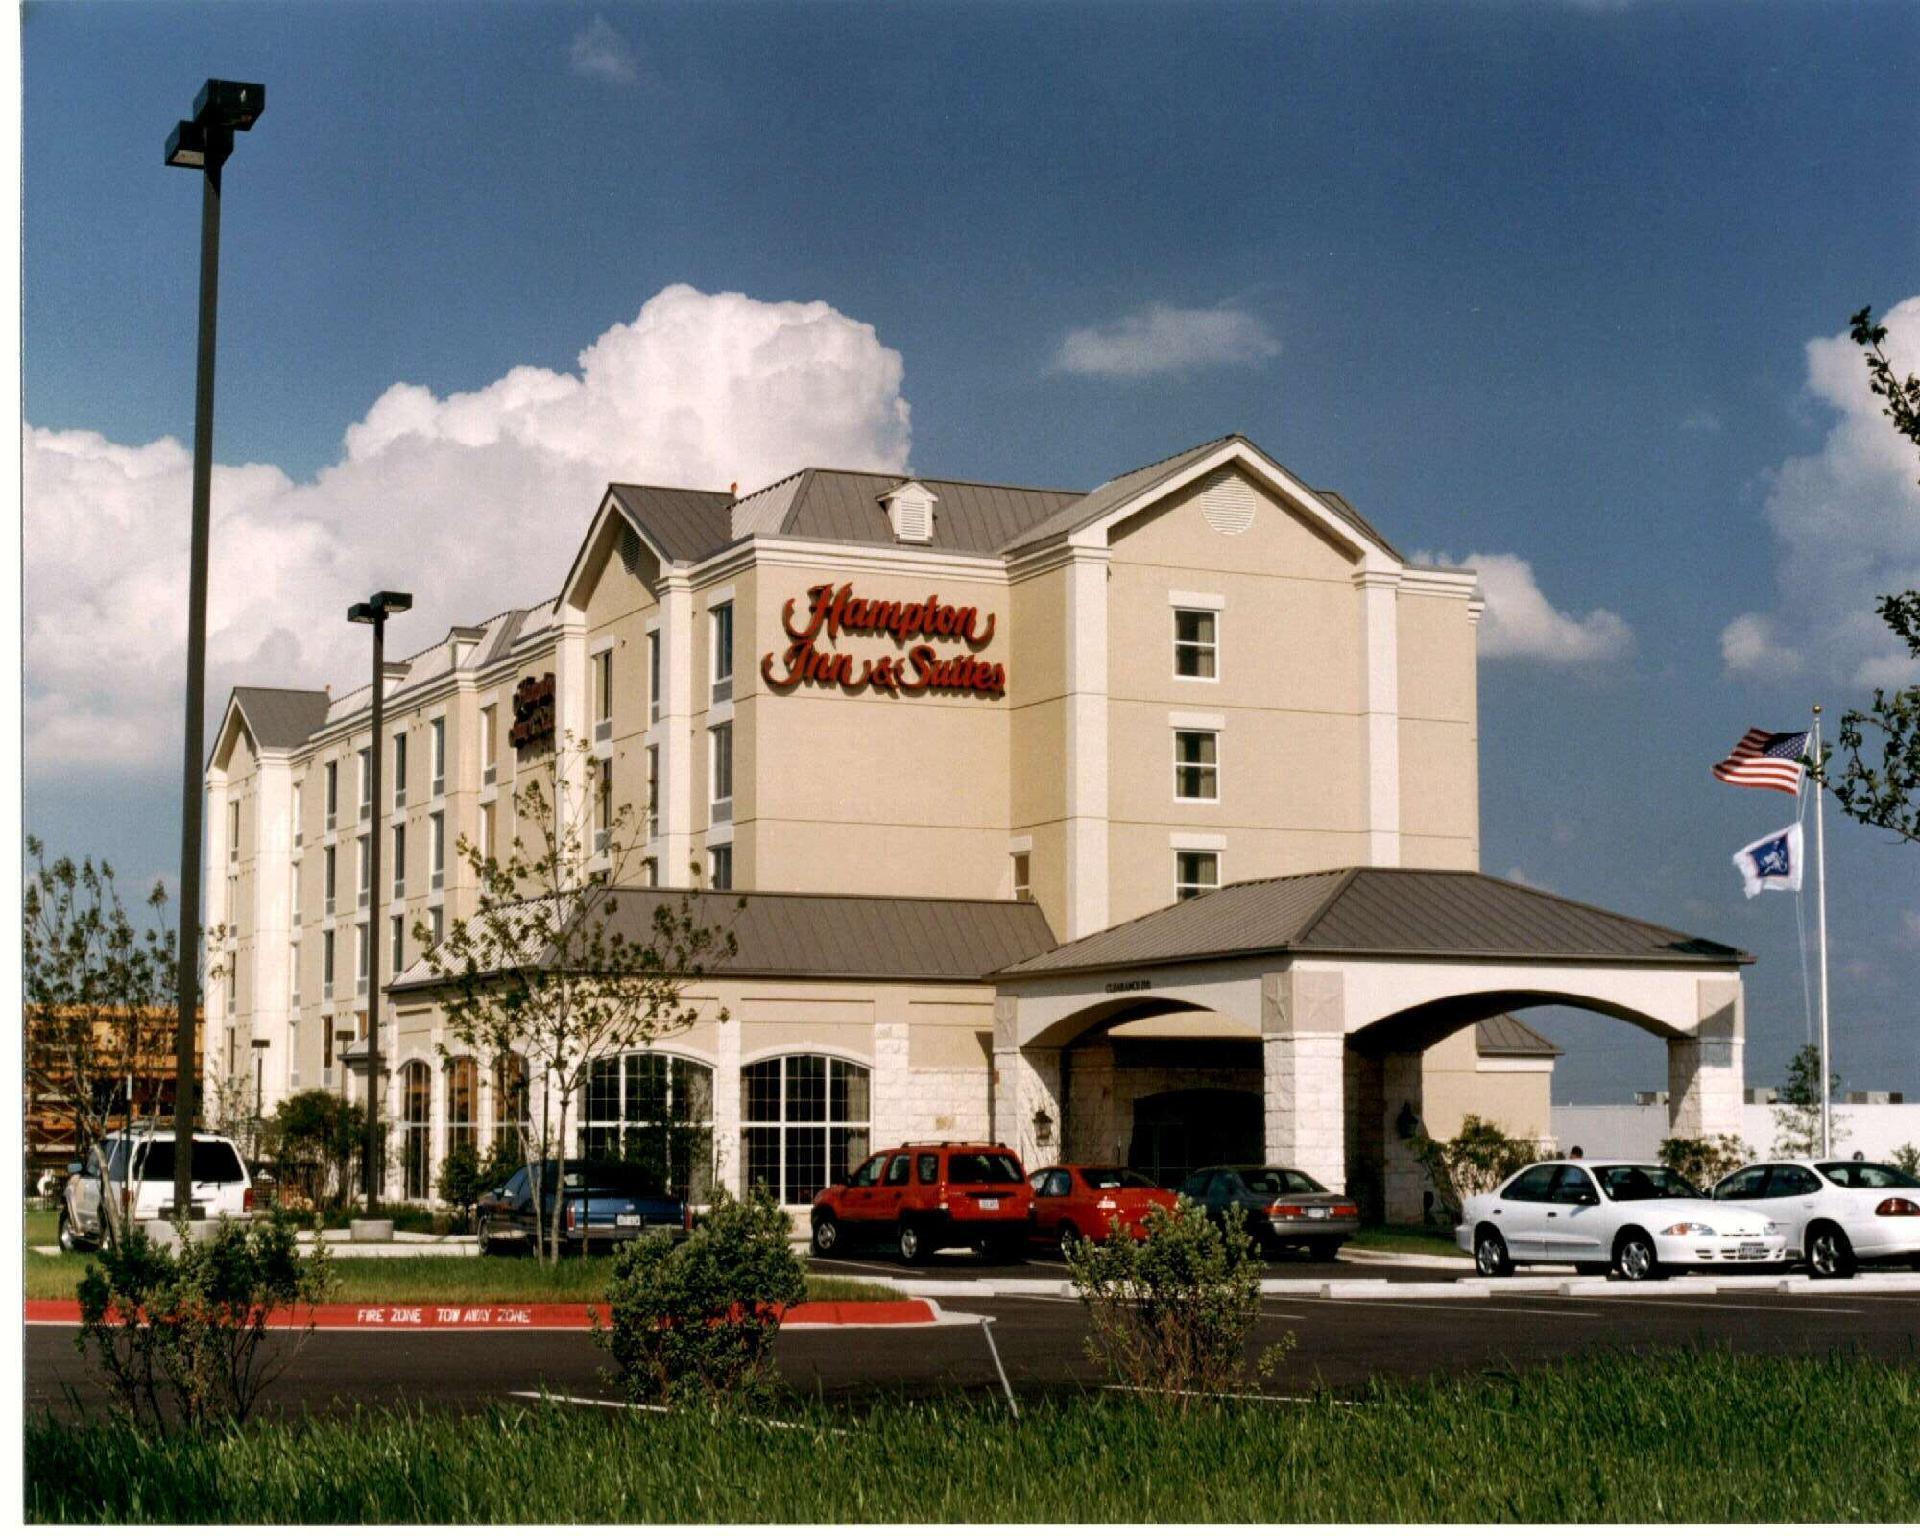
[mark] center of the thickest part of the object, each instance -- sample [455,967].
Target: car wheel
[1636,1258]
[1591,1271]
[911,1243]
[483,1231]
[1829,1254]
[826,1234]
[1490,1254]
[1324,1250]
[69,1239]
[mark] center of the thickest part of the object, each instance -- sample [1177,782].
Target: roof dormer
[910,510]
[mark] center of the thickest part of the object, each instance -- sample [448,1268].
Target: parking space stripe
[1464,1305]
[1787,1308]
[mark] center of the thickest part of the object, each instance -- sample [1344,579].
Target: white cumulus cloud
[1164,339]
[1521,623]
[599,52]
[1847,524]
[473,501]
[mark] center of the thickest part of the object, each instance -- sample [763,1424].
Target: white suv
[140,1166]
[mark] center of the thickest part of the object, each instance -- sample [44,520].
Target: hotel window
[399,769]
[489,746]
[602,804]
[803,1123]
[1194,874]
[603,696]
[437,923]
[326,1052]
[720,761]
[416,1106]
[299,799]
[723,653]
[360,957]
[233,832]
[293,1053]
[720,862]
[364,845]
[293,895]
[439,729]
[333,795]
[653,791]
[437,850]
[1023,877]
[656,1110]
[485,830]
[512,1110]
[650,873]
[463,1098]
[396,944]
[326,966]
[293,974]
[1196,643]
[1196,765]
[653,676]
[365,758]
[233,908]
[332,863]
[399,861]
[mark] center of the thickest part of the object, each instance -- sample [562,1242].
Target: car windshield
[1868,1176]
[1645,1181]
[1280,1181]
[982,1168]
[214,1162]
[1116,1178]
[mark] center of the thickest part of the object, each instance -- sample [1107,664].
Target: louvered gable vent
[910,510]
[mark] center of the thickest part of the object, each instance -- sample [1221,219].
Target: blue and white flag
[1773,863]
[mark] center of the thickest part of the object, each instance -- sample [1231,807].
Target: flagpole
[1820,903]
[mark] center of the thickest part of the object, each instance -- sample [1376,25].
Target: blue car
[600,1204]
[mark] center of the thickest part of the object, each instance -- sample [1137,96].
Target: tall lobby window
[803,1123]
[365,760]
[363,846]
[1196,765]
[654,1109]
[653,791]
[653,676]
[720,759]
[489,744]
[333,795]
[399,862]
[326,966]
[512,1113]
[1023,877]
[439,730]
[299,800]
[416,1109]
[722,653]
[331,877]
[437,850]
[1194,874]
[399,769]
[463,1102]
[603,696]
[602,804]
[1196,643]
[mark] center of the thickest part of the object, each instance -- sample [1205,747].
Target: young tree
[316,1139]
[560,964]
[1885,793]
[1796,1118]
[95,988]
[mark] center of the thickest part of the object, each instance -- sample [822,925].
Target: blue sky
[1534,283]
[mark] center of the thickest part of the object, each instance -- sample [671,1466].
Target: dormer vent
[910,511]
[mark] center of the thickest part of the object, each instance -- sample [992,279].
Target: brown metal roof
[1504,1035]
[1369,911]
[685,524]
[281,719]
[780,933]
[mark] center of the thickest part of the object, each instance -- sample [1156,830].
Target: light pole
[374,611]
[222,108]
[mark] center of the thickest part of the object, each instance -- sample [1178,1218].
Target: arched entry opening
[1183,1129]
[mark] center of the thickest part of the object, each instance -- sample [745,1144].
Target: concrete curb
[1473,1289]
[539,1316]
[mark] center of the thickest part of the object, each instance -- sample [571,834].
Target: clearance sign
[833,611]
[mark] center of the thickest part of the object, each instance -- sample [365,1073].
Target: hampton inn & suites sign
[834,611]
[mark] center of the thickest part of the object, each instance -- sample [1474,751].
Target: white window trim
[1218,765]
[1197,600]
[721,597]
[1188,720]
[720,811]
[1021,844]
[1174,620]
[1219,870]
[1197,842]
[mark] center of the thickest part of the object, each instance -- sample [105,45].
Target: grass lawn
[1678,1437]
[1392,1239]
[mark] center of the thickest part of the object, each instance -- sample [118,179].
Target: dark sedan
[600,1203]
[1278,1207]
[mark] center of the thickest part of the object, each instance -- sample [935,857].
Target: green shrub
[1480,1158]
[696,1320]
[179,1333]
[1906,1157]
[463,1180]
[1704,1161]
[1171,1313]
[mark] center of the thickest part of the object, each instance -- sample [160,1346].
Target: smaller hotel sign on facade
[836,610]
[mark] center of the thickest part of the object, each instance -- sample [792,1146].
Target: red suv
[942,1194]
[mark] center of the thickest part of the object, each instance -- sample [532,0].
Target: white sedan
[1639,1218]
[1834,1214]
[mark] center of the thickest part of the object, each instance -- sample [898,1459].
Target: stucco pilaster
[1706,1072]
[676,722]
[726,1105]
[1303,1044]
[1087,745]
[1379,587]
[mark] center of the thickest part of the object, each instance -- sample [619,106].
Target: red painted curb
[413,1316]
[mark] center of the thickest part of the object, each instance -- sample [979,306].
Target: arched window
[511,1111]
[803,1123]
[656,1109]
[463,1100]
[417,1126]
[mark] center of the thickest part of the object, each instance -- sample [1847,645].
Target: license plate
[1753,1250]
[1316,1213]
[990,1205]
[628,1219]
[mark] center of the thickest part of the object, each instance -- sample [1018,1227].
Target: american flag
[1765,760]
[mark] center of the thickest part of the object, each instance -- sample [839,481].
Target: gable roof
[683,524]
[1504,1035]
[281,719]
[1373,911]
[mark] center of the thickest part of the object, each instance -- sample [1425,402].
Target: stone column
[1303,1042]
[1403,1180]
[892,1107]
[1006,1071]
[1706,1071]
[728,1159]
